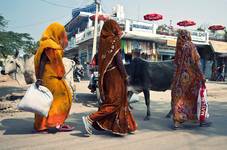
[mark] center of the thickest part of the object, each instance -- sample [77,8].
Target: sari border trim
[117,133]
[105,70]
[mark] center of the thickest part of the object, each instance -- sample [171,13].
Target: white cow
[14,66]
[69,68]
[22,69]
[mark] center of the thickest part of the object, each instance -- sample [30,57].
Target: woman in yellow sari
[49,56]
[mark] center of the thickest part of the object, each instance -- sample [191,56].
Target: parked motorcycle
[93,85]
[78,73]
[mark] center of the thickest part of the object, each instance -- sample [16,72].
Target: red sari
[187,79]
[113,115]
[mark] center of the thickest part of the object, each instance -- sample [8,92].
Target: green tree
[31,47]
[200,29]
[11,41]
[203,27]
[162,28]
[3,23]
[225,34]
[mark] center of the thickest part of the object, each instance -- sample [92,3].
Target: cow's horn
[16,53]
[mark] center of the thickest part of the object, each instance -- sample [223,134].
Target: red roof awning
[153,17]
[186,23]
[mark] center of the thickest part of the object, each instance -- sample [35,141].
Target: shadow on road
[87,99]
[17,126]
[22,126]
[80,130]
[157,122]
[9,90]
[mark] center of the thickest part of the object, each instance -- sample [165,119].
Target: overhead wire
[37,23]
[56,4]
[47,21]
[60,5]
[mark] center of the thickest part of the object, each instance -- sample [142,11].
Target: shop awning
[223,55]
[219,46]
[166,52]
[172,43]
[70,53]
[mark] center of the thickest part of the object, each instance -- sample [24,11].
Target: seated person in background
[93,68]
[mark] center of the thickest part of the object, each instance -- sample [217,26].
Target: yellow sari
[52,78]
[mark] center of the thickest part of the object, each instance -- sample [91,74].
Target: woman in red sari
[113,114]
[187,80]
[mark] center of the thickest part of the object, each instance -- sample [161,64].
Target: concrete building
[139,37]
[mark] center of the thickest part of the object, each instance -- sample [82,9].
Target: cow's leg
[169,114]
[147,101]
[130,93]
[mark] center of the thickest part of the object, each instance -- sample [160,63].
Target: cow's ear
[16,53]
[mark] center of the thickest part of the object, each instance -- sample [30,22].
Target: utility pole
[97,2]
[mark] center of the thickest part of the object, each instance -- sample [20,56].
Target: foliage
[200,29]
[31,47]
[11,41]
[3,23]
[163,28]
[203,27]
[225,34]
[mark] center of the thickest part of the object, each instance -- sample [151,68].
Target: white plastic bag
[37,100]
[202,104]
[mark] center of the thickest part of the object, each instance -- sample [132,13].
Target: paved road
[16,130]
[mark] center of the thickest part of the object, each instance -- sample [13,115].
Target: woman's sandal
[64,128]
[87,125]
[177,126]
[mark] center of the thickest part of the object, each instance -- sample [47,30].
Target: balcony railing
[198,36]
[217,37]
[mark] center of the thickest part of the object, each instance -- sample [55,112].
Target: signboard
[199,36]
[171,43]
[141,26]
[87,34]
[79,37]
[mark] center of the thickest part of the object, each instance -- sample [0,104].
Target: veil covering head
[51,38]
[184,42]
